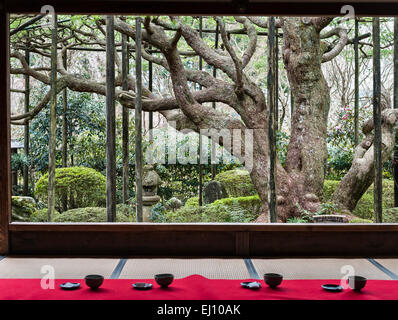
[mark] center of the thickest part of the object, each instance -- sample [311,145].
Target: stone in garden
[330,218]
[174,203]
[214,190]
[22,208]
[150,184]
[150,181]
[237,183]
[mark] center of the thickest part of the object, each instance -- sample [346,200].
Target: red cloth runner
[195,287]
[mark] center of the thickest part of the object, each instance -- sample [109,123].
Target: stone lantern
[150,184]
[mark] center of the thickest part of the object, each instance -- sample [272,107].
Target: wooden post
[377,121]
[395,162]
[125,120]
[213,144]
[53,122]
[200,136]
[271,121]
[5,146]
[356,62]
[26,128]
[110,122]
[138,122]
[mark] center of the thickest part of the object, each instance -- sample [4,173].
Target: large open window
[285,96]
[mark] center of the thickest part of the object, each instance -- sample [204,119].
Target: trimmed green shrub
[241,209]
[359,220]
[252,204]
[125,209]
[41,216]
[238,183]
[364,208]
[91,214]
[184,214]
[192,202]
[390,215]
[81,187]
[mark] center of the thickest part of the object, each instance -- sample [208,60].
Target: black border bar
[223,7]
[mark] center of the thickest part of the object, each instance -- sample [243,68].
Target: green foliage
[192,202]
[329,186]
[242,210]
[327,208]
[158,212]
[251,203]
[86,132]
[18,161]
[359,220]
[282,142]
[390,215]
[237,183]
[185,214]
[41,215]
[305,215]
[339,162]
[126,209]
[81,187]
[341,145]
[182,181]
[364,208]
[340,141]
[91,214]
[296,220]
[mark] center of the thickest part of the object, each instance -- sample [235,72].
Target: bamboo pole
[271,121]
[26,24]
[356,62]
[150,87]
[377,121]
[276,87]
[64,120]
[138,121]
[26,127]
[17,91]
[125,121]
[395,163]
[110,122]
[53,122]
[213,144]
[200,136]
[64,131]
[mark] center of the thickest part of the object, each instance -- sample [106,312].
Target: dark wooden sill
[232,227]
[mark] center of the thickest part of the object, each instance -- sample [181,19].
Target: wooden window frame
[214,239]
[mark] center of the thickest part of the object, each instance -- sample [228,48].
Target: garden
[203,119]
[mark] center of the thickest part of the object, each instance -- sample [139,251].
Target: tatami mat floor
[319,268]
[76,268]
[209,268]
